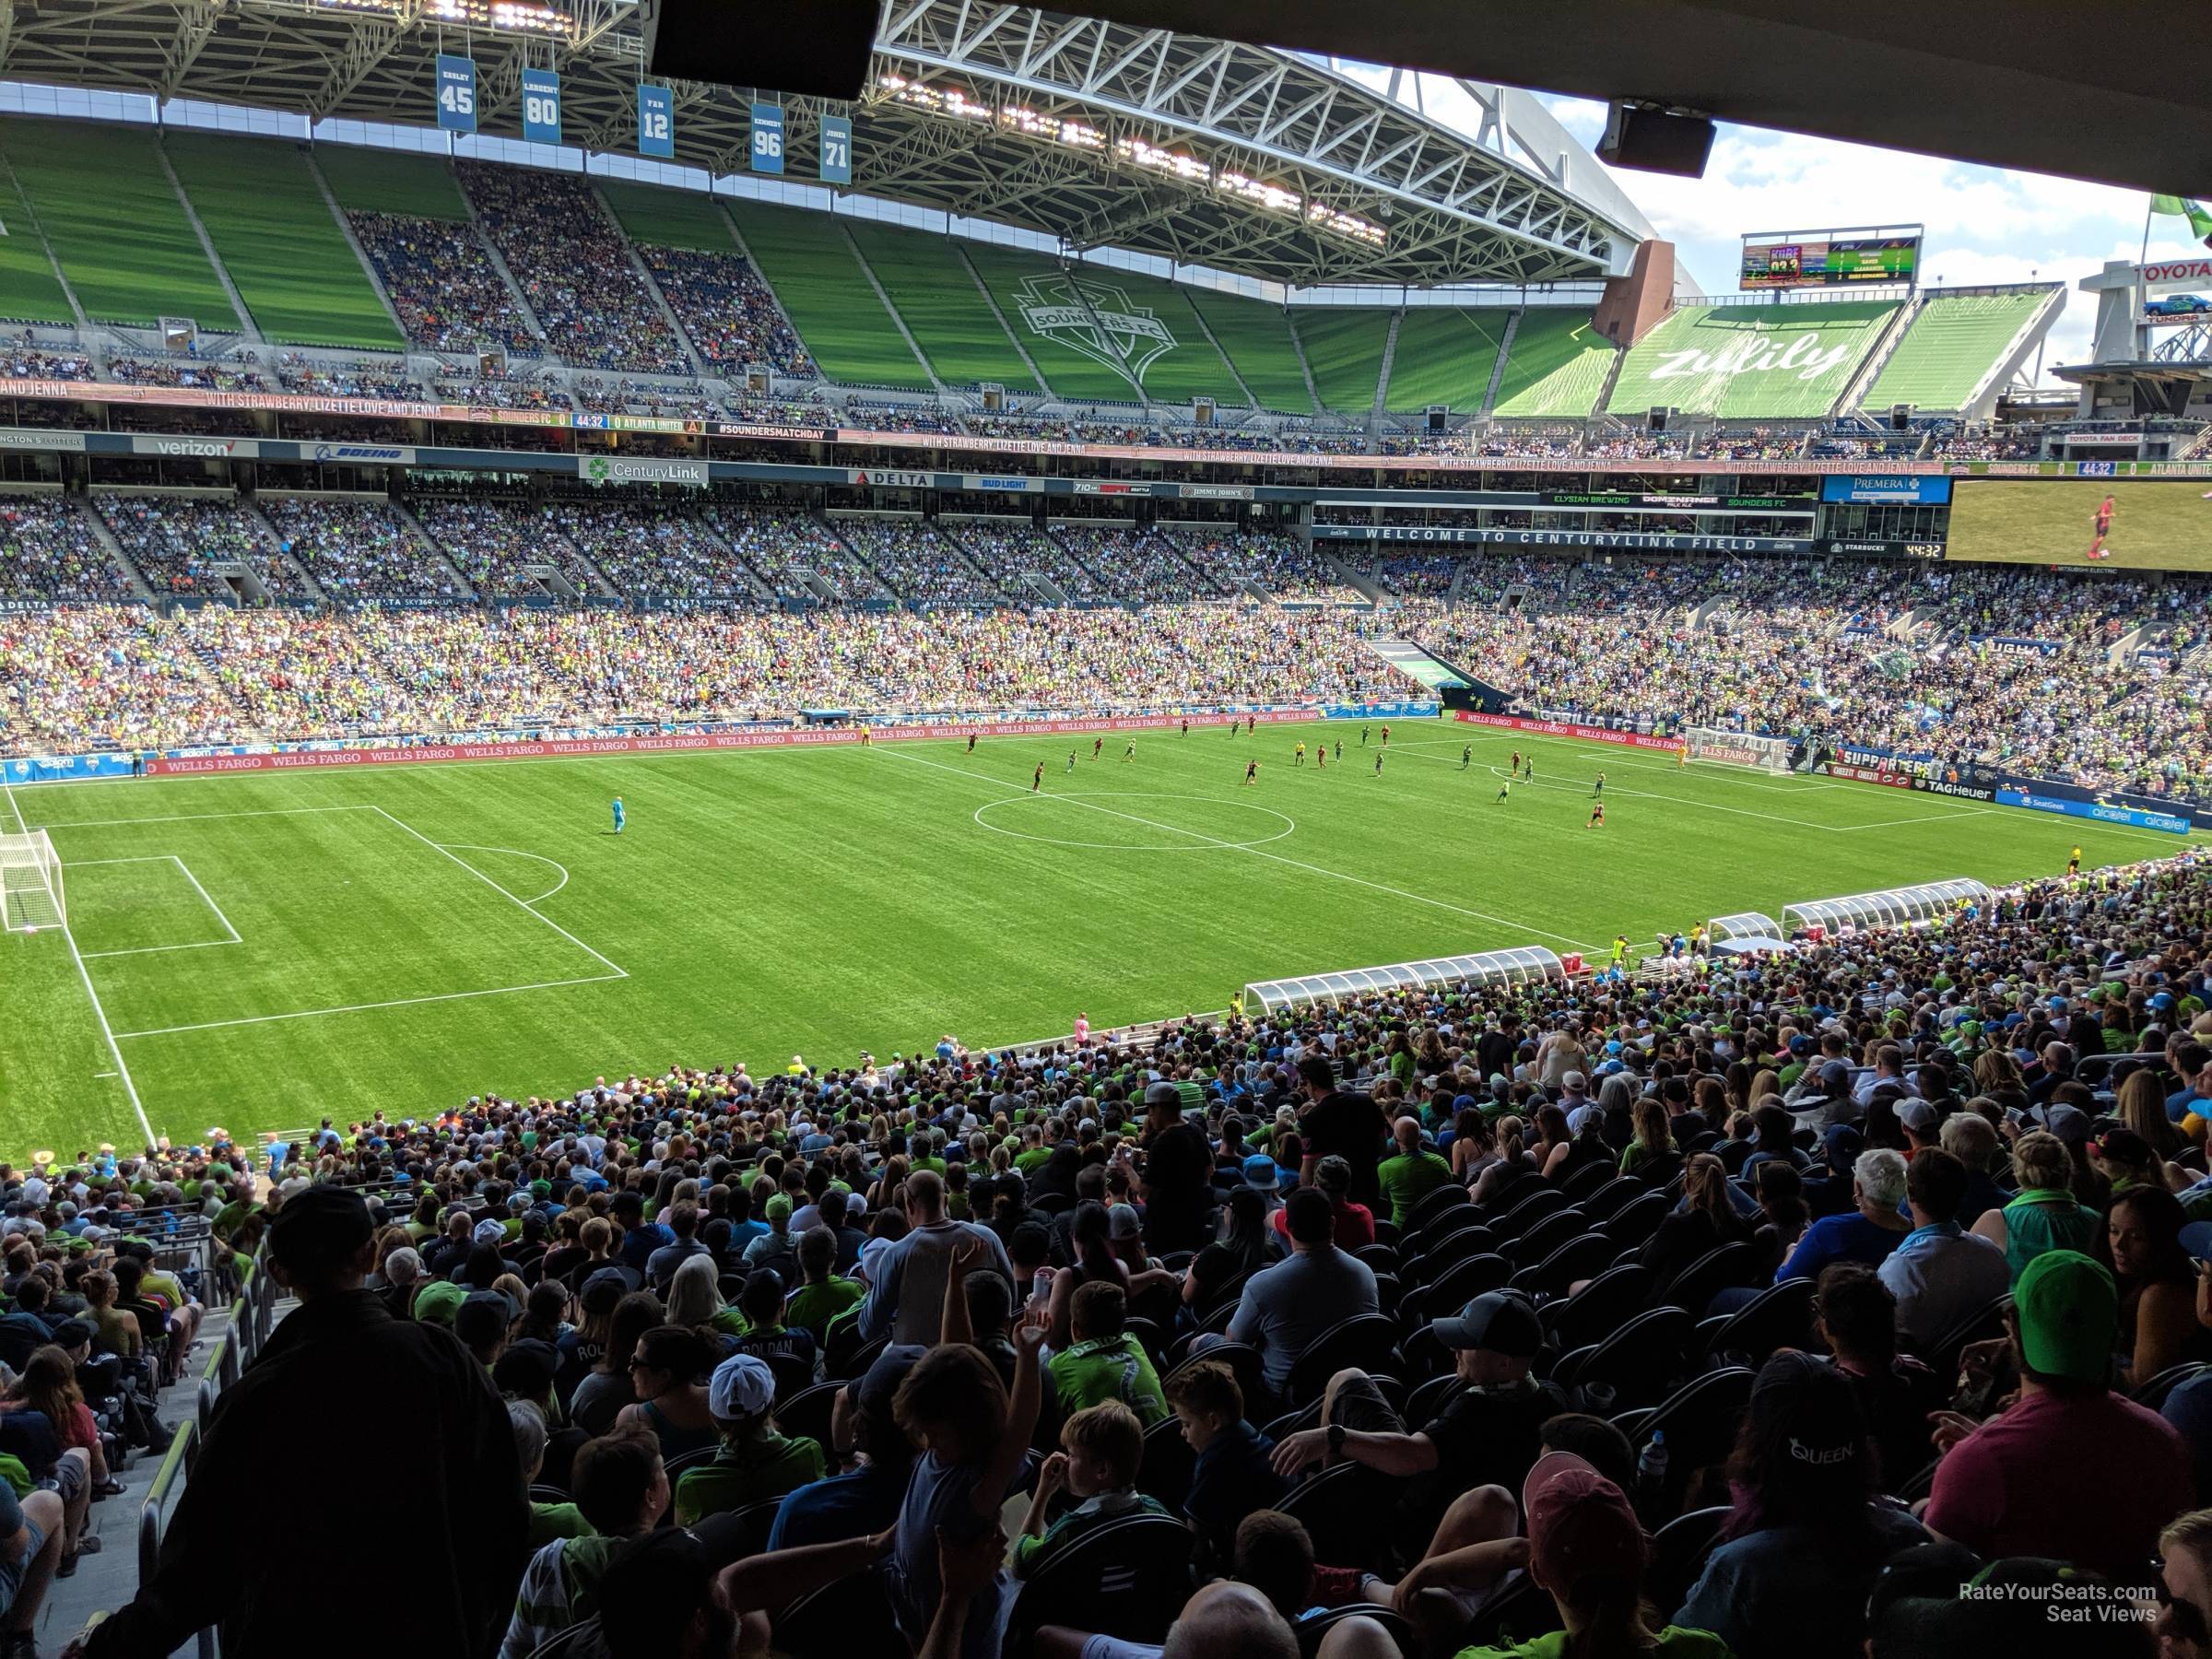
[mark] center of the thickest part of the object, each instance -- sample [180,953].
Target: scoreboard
[1831,259]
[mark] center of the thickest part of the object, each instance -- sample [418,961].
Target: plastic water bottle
[1651,1468]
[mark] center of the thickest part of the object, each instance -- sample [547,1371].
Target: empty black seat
[1639,1362]
[1599,1307]
[1636,1220]
[1583,1256]
[1168,1462]
[1780,1316]
[1462,1284]
[1547,1236]
[1699,1420]
[1725,1268]
[1127,1577]
[1365,1341]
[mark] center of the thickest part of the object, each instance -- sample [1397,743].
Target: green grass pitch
[267,949]
[2165,526]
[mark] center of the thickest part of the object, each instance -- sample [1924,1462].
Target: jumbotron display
[1793,259]
[2165,525]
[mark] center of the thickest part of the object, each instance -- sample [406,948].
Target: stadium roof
[1253,161]
[2107,92]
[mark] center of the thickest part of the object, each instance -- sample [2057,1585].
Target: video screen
[2165,525]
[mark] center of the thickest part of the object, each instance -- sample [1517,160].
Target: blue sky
[1985,224]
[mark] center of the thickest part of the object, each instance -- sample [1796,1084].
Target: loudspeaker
[1652,140]
[818,50]
[1900,416]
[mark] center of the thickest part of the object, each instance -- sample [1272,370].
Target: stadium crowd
[360,552]
[728,312]
[575,270]
[1360,1329]
[449,295]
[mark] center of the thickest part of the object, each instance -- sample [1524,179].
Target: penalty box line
[84,975]
[1296,863]
[86,863]
[616,971]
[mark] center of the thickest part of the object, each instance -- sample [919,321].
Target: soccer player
[2104,525]
[1129,754]
[1340,751]
[619,815]
[1599,792]
[1297,756]
[1467,756]
[1386,736]
[1514,766]
[1362,733]
[1620,949]
[1505,788]
[2074,862]
[1252,772]
[1071,759]
[867,736]
[1597,817]
[1321,756]
[971,743]
[1528,771]
[1036,778]
[1186,725]
[1098,745]
[1681,756]
[1378,763]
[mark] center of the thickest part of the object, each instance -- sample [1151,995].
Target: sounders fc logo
[1096,319]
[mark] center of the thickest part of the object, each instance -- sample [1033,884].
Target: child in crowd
[1101,1447]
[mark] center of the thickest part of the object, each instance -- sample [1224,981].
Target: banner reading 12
[656,121]
[456,94]
[541,106]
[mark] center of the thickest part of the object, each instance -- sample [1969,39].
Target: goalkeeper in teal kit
[619,815]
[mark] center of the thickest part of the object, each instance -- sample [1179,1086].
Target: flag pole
[2144,257]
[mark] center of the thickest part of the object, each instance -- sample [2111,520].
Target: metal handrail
[252,1316]
[184,1451]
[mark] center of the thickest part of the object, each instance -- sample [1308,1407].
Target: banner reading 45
[541,106]
[456,94]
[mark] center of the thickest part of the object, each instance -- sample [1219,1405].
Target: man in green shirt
[1105,1362]
[754,1462]
[823,1297]
[1412,1175]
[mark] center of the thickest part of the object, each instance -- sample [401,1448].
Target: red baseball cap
[1579,1524]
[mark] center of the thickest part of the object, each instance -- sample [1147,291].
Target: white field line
[1296,863]
[1577,787]
[122,1070]
[188,817]
[1624,759]
[400,1002]
[619,970]
[517,852]
[205,899]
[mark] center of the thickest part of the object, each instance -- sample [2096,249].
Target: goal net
[1738,749]
[31,883]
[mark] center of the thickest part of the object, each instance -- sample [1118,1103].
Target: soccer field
[260,950]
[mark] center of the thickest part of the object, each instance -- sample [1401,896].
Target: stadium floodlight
[31,883]
[1738,749]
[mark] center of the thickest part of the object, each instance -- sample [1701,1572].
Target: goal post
[1738,749]
[31,883]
